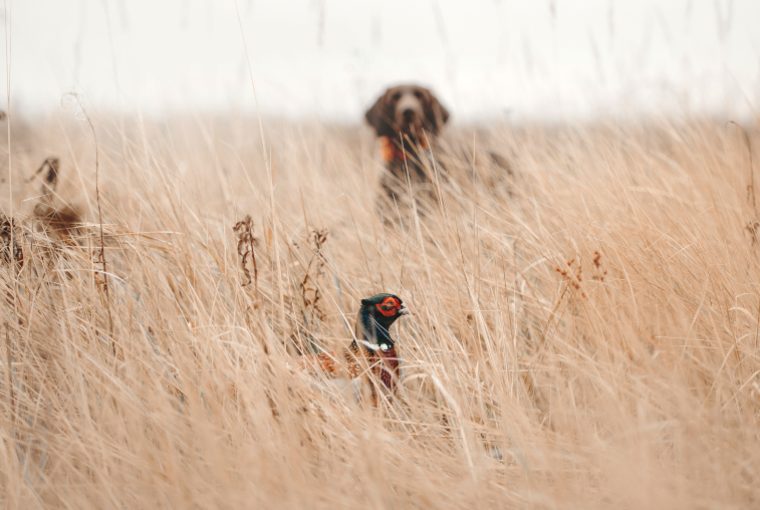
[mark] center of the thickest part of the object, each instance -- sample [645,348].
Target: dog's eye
[418,94]
[396,96]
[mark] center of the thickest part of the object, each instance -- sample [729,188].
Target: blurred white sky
[329,58]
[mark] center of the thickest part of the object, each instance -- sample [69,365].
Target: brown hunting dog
[407,119]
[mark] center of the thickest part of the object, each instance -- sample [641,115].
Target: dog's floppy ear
[436,115]
[379,117]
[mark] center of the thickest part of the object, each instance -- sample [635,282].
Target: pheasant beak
[403,310]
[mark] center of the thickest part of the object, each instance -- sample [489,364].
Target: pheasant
[371,357]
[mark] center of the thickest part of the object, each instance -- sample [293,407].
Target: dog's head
[407,110]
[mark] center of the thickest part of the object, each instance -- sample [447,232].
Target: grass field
[584,332]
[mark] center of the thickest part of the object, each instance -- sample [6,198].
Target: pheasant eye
[388,307]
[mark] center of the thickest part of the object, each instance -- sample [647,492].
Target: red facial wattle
[389,307]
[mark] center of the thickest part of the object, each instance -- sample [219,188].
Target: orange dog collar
[391,151]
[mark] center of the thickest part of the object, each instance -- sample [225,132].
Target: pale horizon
[327,60]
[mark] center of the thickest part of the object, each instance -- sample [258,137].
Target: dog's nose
[408,114]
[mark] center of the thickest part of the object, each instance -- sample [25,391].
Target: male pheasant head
[376,315]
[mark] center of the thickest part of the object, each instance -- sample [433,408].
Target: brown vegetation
[584,333]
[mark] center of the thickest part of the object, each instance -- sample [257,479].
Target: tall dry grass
[584,332]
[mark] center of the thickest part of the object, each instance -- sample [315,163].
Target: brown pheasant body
[373,369]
